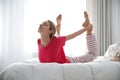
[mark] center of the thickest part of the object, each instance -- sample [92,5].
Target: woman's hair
[52,28]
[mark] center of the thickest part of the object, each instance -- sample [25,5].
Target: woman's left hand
[58,26]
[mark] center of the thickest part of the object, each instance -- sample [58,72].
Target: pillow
[113,52]
[100,59]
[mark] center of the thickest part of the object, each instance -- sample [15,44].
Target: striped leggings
[90,55]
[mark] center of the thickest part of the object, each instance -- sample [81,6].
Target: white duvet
[33,70]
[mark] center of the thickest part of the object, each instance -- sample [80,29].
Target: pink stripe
[92,51]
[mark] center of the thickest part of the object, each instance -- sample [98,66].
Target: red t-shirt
[53,52]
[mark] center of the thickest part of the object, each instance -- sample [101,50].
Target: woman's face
[44,28]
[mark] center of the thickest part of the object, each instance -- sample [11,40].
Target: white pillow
[113,52]
[100,59]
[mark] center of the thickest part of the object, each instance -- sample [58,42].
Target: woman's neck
[45,40]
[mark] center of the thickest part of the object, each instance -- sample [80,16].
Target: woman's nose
[40,25]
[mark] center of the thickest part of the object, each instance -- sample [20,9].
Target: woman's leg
[91,44]
[90,55]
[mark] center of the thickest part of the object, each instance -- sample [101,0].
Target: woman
[50,47]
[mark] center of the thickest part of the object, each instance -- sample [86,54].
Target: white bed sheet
[33,70]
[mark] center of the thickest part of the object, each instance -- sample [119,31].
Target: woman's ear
[50,31]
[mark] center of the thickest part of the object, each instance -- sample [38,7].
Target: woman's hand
[58,26]
[89,29]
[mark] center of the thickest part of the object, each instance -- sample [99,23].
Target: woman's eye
[45,24]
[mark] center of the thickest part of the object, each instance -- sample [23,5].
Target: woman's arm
[73,35]
[87,28]
[58,26]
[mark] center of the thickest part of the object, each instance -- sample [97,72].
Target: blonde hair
[52,28]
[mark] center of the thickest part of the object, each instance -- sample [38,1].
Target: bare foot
[86,23]
[89,29]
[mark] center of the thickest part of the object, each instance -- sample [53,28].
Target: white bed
[33,70]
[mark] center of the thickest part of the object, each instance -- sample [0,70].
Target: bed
[33,70]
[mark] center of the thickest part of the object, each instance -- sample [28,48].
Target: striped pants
[90,55]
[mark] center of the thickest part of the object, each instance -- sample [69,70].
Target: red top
[53,52]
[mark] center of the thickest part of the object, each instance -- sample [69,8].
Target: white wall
[115,22]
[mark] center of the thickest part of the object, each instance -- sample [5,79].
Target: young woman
[50,47]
